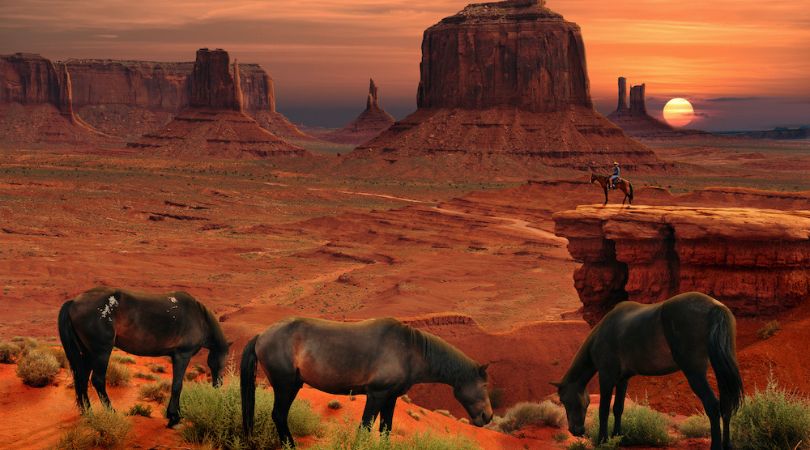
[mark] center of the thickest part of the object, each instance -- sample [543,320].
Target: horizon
[743,66]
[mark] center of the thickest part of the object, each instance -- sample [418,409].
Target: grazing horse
[173,324]
[686,332]
[621,183]
[381,358]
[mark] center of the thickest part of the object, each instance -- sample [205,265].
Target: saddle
[615,184]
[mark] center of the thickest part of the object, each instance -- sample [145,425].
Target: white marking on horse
[172,299]
[109,307]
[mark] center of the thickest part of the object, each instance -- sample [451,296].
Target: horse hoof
[172,423]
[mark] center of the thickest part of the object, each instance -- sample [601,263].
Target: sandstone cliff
[505,84]
[371,122]
[754,260]
[214,124]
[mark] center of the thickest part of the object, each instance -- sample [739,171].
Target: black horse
[686,332]
[173,324]
[381,358]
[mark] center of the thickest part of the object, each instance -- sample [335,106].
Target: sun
[678,112]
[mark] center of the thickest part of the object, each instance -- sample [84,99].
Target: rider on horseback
[616,174]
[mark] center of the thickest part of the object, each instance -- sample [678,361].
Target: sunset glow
[678,112]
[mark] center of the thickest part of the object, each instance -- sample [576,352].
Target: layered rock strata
[756,261]
[371,122]
[506,79]
[215,124]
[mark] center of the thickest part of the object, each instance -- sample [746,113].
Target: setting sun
[678,112]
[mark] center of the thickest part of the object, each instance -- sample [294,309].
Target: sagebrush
[641,425]
[772,419]
[38,368]
[522,414]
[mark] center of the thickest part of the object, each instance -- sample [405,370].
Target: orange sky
[322,52]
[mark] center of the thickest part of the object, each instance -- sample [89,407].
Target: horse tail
[73,348]
[247,382]
[630,194]
[722,354]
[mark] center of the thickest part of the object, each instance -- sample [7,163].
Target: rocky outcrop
[756,261]
[215,125]
[506,79]
[36,105]
[131,98]
[371,122]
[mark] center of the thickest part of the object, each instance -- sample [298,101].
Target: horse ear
[482,369]
[555,384]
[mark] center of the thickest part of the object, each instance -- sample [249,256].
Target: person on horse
[616,175]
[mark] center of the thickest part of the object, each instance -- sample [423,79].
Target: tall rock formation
[635,121]
[753,260]
[504,86]
[371,122]
[132,98]
[214,124]
[622,105]
[36,103]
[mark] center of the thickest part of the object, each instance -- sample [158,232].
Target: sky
[743,64]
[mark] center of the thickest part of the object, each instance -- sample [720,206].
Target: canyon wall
[756,261]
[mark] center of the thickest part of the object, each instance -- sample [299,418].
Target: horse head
[576,403]
[473,395]
[217,359]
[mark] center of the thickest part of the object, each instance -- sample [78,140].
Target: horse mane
[218,341]
[444,361]
[582,363]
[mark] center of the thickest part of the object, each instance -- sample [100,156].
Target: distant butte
[215,124]
[504,88]
[370,123]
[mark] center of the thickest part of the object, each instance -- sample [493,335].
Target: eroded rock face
[756,261]
[506,79]
[30,79]
[371,122]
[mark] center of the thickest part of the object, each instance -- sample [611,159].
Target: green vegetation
[641,425]
[9,352]
[26,343]
[146,376]
[122,359]
[696,426]
[772,419]
[101,427]
[159,391]
[214,417]
[139,409]
[546,413]
[118,374]
[351,437]
[38,368]
[157,368]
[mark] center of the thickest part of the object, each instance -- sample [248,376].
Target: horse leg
[81,380]
[727,432]
[179,364]
[700,385]
[606,197]
[387,414]
[606,385]
[98,363]
[618,406]
[285,392]
[374,403]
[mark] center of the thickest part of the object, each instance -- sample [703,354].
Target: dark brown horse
[173,324]
[381,358]
[625,185]
[686,332]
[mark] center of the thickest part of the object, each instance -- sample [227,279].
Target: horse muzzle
[577,431]
[482,419]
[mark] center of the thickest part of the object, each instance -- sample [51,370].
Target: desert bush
[145,376]
[139,409]
[9,352]
[194,372]
[157,368]
[100,427]
[57,352]
[351,437]
[769,329]
[122,359]
[214,416]
[37,368]
[26,343]
[526,413]
[772,419]
[118,374]
[579,445]
[641,425]
[159,391]
[696,426]
[334,404]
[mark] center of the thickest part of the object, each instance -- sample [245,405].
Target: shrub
[214,417]
[578,445]
[122,359]
[157,368]
[769,329]
[772,419]
[9,352]
[194,372]
[526,413]
[139,409]
[334,404]
[38,368]
[641,425]
[101,427]
[57,352]
[118,374]
[696,426]
[145,376]
[26,343]
[157,392]
[351,437]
